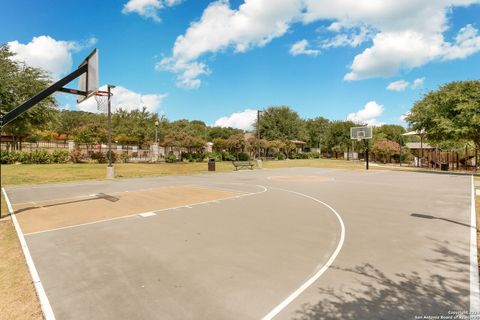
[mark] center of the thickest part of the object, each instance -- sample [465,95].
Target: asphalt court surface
[236,245]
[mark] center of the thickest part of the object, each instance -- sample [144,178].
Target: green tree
[451,113]
[18,83]
[391,132]
[281,123]
[385,149]
[337,138]
[219,132]
[317,131]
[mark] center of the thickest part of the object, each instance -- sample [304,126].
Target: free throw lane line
[317,275]
[42,296]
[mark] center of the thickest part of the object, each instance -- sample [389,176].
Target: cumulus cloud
[300,47]
[418,83]
[241,120]
[254,24]
[404,34]
[44,52]
[398,86]
[127,100]
[404,116]
[368,114]
[148,9]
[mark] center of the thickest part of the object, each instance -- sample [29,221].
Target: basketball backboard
[360,133]
[88,82]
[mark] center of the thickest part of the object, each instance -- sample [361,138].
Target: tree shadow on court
[402,296]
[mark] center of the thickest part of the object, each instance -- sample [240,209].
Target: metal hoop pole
[109,128]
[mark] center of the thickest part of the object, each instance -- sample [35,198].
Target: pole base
[111,172]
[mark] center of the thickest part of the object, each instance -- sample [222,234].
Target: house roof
[418,145]
[298,141]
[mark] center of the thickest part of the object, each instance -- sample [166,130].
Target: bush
[186,156]
[40,156]
[227,156]
[124,157]
[280,156]
[5,157]
[242,156]
[60,156]
[99,156]
[76,156]
[198,157]
[170,158]
[214,155]
[312,155]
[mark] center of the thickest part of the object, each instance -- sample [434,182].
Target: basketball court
[300,243]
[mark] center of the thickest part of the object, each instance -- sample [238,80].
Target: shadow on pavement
[402,296]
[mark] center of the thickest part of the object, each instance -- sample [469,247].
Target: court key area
[298,243]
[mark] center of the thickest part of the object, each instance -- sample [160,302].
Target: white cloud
[398,86]
[127,100]
[300,47]
[352,37]
[418,83]
[44,52]
[404,116]
[368,114]
[241,120]
[254,24]
[406,34]
[148,9]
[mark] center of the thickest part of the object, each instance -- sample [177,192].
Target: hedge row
[37,156]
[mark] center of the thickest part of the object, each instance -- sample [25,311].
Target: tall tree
[338,136]
[281,123]
[450,113]
[18,83]
[316,131]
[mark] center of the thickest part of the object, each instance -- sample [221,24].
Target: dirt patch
[301,178]
[35,217]
[17,293]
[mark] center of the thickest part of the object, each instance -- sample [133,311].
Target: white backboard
[88,81]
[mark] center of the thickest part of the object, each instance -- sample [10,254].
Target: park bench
[243,164]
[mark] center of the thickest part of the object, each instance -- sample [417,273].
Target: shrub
[99,156]
[313,155]
[124,157]
[242,156]
[280,156]
[186,156]
[214,155]
[5,157]
[60,156]
[40,156]
[198,157]
[170,158]
[76,156]
[227,156]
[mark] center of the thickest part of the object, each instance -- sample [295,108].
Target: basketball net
[102,98]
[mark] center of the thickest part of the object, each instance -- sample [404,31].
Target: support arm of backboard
[57,86]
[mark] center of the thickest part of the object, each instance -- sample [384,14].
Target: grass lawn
[17,294]
[21,174]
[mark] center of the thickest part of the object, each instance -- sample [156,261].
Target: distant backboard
[361,133]
[88,81]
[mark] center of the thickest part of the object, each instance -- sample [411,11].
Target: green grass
[21,174]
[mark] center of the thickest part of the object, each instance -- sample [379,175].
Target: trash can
[444,167]
[211,164]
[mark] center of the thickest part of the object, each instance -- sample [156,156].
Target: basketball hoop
[102,98]
[360,135]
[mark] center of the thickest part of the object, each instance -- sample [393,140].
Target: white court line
[155,211]
[317,275]
[474,285]
[42,296]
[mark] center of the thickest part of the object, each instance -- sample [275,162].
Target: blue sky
[218,61]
